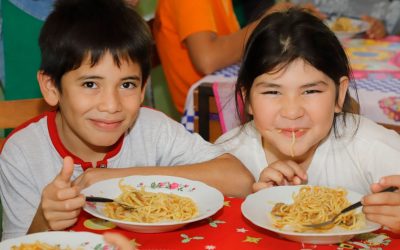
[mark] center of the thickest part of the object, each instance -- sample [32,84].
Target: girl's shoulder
[361,128]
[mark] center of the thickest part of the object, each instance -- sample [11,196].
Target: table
[376,69]
[228,229]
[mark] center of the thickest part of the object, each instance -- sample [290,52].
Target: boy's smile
[98,104]
[293,109]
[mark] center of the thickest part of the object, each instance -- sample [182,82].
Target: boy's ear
[344,85]
[142,95]
[48,88]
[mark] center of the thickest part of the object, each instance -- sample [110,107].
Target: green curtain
[21,52]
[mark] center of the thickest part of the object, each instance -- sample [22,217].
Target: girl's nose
[110,102]
[292,108]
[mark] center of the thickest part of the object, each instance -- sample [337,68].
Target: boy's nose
[292,109]
[110,102]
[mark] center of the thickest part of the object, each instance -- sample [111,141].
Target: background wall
[22,57]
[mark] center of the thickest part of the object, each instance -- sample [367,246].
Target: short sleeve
[192,17]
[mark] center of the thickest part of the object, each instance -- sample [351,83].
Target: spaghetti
[149,207]
[313,205]
[38,245]
[293,142]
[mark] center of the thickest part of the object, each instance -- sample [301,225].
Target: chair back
[15,112]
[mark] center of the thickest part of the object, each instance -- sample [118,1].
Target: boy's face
[98,104]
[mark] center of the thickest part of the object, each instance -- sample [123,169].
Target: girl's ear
[343,87]
[48,88]
[247,107]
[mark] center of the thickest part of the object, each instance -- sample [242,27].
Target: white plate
[258,206]
[208,199]
[361,26]
[74,240]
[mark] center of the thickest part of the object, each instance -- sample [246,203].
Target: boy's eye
[90,85]
[129,85]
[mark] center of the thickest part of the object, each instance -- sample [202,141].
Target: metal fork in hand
[102,199]
[345,210]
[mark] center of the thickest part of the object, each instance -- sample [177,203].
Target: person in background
[299,126]
[382,15]
[94,69]
[196,38]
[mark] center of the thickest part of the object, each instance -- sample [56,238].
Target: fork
[103,199]
[345,210]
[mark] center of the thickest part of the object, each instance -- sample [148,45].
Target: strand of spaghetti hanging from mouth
[293,142]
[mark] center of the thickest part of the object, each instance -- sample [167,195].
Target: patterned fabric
[228,74]
[228,229]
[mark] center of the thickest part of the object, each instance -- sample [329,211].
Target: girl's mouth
[292,132]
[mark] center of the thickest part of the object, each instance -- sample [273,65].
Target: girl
[300,130]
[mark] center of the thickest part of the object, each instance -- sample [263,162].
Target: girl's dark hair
[80,28]
[282,37]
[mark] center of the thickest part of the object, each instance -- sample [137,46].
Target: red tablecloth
[227,229]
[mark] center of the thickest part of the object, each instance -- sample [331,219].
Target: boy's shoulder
[147,114]
[30,133]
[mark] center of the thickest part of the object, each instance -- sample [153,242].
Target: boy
[95,60]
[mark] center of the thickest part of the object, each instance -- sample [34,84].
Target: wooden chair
[15,112]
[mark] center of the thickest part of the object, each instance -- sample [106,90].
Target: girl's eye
[312,91]
[270,92]
[90,85]
[129,85]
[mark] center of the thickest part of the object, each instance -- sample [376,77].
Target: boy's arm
[226,173]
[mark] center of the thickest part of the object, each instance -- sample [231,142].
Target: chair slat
[14,113]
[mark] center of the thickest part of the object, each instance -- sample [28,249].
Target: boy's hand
[384,208]
[119,241]
[281,173]
[61,203]
[376,29]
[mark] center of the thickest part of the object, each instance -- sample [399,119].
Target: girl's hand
[280,173]
[384,208]
[376,29]
[61,203]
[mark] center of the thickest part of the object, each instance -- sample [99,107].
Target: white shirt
[354,161]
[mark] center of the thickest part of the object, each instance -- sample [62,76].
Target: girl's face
[293,109]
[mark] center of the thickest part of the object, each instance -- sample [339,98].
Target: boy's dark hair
[80,28]
[282,37]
